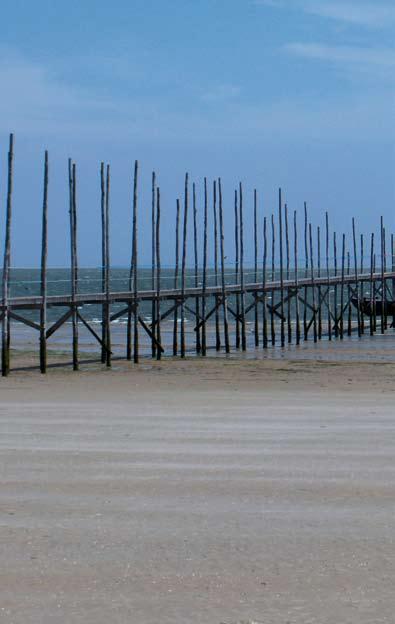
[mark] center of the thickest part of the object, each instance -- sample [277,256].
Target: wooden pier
[289,300]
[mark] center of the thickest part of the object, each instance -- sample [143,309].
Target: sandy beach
[210,492]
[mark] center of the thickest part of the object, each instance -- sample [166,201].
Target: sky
[292,93]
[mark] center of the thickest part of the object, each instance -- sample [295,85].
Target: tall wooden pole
[341,321]
[382,319]
[153,262]
[176,271]
[184,256]
[349,320]
[319,287]
[204,277]
[224,298]
[306,255]
[336,327]
[280,228]
[356,276]
[297,314]
[74,262]
[135,273]
[107,271]
[217,331]
[313,285]
[287,247]
[242,292]
[237,296]
[264,296]
[103,256]
[328,276]
[372,327]
[5,351]
[256,319]
[195,245]
[44,256]
[272,326]
[361,296]
[158,277]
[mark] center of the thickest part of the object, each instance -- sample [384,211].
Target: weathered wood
[372,327]
[349,293]
[135,265]
[256,319]
[153,260]
[264,271]
[183,267]
[272,326]
[158,276]
[287,250]
[336,326]
[5,347]
[361,295]
[242,292]
[103,253]
[306,254]
[328,274]
[237,260]
[44,257]
[382,316]
[196,258]
[176,270]
[313,285]
[280,229]
[222,251]
[319,287]
[297,314]
[65,317]
[204,276]
[341,320]
[356,276]
[107,285]
[217,328]
[74,264]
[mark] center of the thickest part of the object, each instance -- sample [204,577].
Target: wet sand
[209,492]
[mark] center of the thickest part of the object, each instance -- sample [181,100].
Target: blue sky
[291,93]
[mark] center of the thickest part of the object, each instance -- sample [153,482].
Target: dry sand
[202,492]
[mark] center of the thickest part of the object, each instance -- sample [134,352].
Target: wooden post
[393,280]
[382,319]
[153,254]
[349,322]
[5,351]
[74,267]
[217,331]
[204,277]
[319,287]
[272,326]
[280,228]
[385,281]
[135,273]
[256,321]
[224,298]
[313,285]
[289,325]
[242,292]
[356,276]
[336,328]
[184,256]
[103,256]
[341,326]
[158,277]
[237,296]
[264,268]
[44,256]
[328,276]
[372,327]
[297,315]
[176,270]
[107,271]
[361,297]
[195,244]
[306,273]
